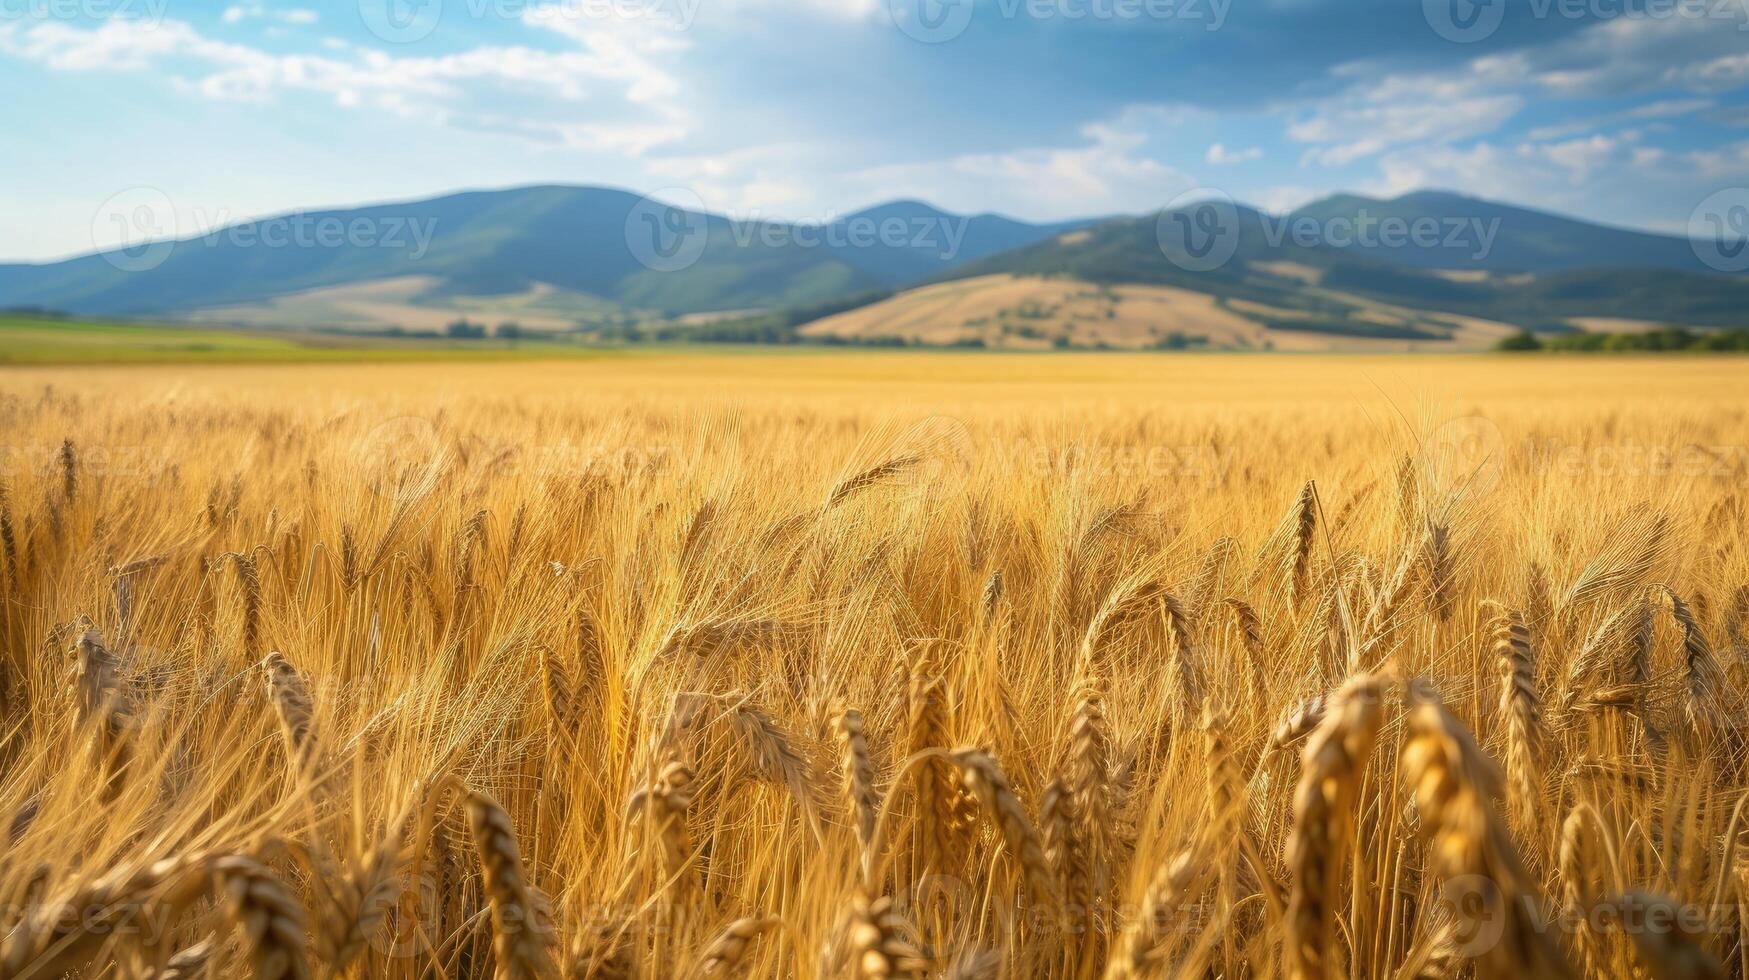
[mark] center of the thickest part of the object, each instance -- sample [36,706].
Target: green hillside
[578,240]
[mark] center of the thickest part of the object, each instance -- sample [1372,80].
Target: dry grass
[796,666]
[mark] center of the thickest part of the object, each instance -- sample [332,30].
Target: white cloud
[769,181]
[1635,54]
[1370,126]
[115,45]
[1106,174]
[1219,154]
[237,13]
[1283,199]
[1375,115]
[1600,177]
[1413,115]
[1579,158]
[613,67]
[1664,109]
[1723,163]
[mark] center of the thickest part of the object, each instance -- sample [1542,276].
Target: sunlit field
[876,665]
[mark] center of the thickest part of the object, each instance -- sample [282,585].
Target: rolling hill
[1427,267]
[1523,240]
[1285,280]
[575,249]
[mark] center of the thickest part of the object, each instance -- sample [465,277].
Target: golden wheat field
[887,665]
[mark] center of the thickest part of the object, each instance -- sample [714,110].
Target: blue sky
[1624,111]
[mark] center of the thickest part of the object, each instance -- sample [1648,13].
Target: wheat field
[886,665]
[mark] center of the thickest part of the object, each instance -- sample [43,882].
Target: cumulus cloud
[1106,173]
[300,16]
[616,68]
[1639,54]
[1219,154]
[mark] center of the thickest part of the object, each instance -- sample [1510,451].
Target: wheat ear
[1333,763]
[269,919]
[1454,788]
[1522,709]
[520,935]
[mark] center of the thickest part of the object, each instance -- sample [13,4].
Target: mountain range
[555,257]
[574,246]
